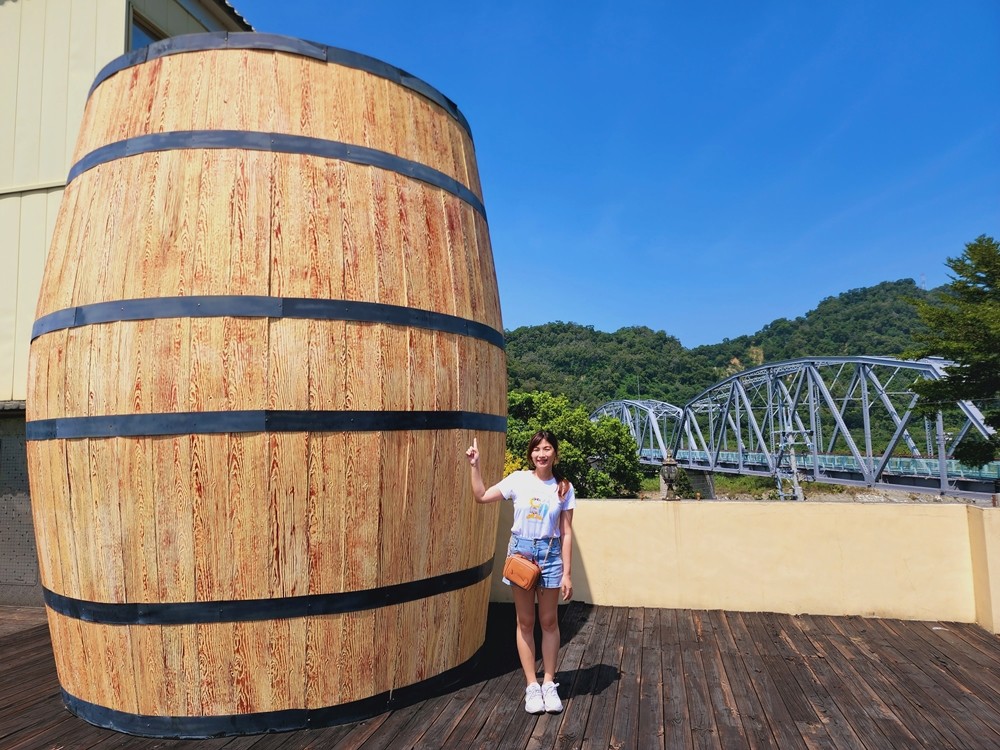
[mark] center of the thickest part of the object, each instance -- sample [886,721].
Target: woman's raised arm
[479,490]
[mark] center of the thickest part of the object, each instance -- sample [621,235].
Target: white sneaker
[550,697]
[533,702]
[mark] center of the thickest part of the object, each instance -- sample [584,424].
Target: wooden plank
[213,545]
[50,506]
[38,704]
[866,674]
[325,540]
[454,706]
[984,642]
[944,646]
[400,658]
[626,714]
[782,725]
[287,507]
[798,656]
[723,701]
[398,722]
[44,734]
[602,709]
[521,726]
[323,738]
[494,696]
[838,664]
[911,683]
[593,678]
[457,247]
[174,516]
[855,691]
[72,732]
[676,721]
[500,701]
[576,627]
[704,730]
[651,720]
[934,697]
[847,714]
[137,504]
[751,713]
[358,733]
[785,669]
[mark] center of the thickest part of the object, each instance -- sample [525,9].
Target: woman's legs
[524,606]
[548,617]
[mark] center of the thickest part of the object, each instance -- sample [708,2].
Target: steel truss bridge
[839,420]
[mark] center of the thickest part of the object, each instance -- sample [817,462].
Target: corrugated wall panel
[10,222]
[37,219]
[112,32]
[55,91]
[10,34]
[50,52]
[82,70]
[28,100]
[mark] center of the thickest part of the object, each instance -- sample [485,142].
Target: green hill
[592,367]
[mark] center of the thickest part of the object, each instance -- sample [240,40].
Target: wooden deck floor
[635,678]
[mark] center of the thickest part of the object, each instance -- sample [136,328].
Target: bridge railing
[916,467]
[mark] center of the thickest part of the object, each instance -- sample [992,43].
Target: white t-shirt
[536,504]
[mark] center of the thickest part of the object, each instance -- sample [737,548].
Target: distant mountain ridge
[592,367]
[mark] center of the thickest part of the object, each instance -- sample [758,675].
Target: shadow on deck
[632,678]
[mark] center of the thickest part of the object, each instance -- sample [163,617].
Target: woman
[543,531]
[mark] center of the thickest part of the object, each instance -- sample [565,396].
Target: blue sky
[703,168]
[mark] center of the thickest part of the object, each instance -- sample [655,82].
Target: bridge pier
[702,483]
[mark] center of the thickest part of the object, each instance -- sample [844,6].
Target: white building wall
[50,53]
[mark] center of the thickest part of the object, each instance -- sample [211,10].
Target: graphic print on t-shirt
[537,510]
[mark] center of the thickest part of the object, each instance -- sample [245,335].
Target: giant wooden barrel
[268,329]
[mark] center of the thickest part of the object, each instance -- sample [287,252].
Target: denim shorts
[549,559]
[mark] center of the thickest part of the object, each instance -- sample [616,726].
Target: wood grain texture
[222,517]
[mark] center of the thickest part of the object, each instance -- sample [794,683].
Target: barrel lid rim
[215,40]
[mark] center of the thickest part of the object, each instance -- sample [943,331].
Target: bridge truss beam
[839,420]
[654,425]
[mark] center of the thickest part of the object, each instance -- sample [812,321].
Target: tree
[600,458]
[682,486]
[963,325]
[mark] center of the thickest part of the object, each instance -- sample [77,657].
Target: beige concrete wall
[886,560]
[984,542]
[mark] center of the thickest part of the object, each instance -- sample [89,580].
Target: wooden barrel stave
[169,515]
[161,549]
[314,98]
[341,258]
[215,669]
[213,364]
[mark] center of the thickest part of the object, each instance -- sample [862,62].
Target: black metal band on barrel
[249,306]
[219,40]
[202,727]
[262,420]
[282,143]
[274,608]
